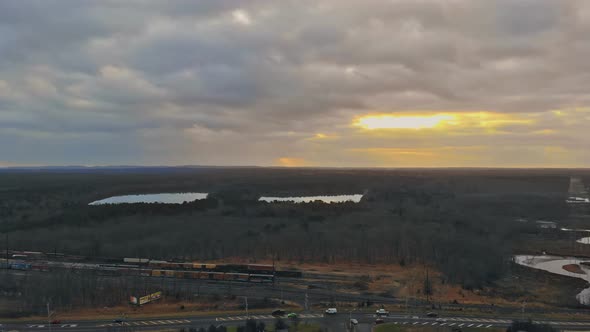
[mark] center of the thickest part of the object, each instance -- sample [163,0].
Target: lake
[167,198]
[306,199]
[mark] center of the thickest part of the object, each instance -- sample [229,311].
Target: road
[335,323]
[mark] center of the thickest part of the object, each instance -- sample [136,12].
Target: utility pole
[7,262]
[49,314]
[523,307]
[406,305]
[247,314]
[306,302]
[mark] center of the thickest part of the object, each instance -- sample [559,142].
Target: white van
[331,311]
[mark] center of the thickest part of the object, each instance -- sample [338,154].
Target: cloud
[234,82]
[241,17]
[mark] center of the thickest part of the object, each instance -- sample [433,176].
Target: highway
[335,323]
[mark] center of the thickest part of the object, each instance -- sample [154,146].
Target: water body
[306,199]
[554,264]
[167,198]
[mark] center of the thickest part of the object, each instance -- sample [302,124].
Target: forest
[460,221]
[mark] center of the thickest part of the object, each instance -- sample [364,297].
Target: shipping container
[169,274]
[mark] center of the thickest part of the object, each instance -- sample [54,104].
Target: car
[278,313]
[431,314]
[379,321]
[292,315]
[382,312]
[118,321]
[331,311]
[354,322]
[55,321]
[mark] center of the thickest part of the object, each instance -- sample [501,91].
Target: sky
[335,83]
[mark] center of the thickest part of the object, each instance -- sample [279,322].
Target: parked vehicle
[331,311]
[431,314]
[55,321]
[118,321]
[379,321]
[292,315]
[354,322]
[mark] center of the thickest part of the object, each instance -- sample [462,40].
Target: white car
[331,311]
[354,322]
[382,312]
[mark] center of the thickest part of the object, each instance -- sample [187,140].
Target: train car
[155,263]
[261,268]
[186,266]
[20,266]
[216,275]
[157,273]
[262,278]
[289,274]
[169,274]
[40,267]
[34,255]
[136,260]
[194,274]
[237,276]
[179,274]
[145,272]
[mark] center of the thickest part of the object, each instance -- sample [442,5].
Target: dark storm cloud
[247,82]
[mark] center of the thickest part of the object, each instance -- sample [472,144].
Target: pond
[167,198]
[556,264]
[306,199]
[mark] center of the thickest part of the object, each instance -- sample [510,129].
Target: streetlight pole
[7,262]
[246,303]
[49,313]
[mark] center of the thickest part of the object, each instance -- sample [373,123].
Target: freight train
[238,268]
[183,274]
[220,276]
[29,260]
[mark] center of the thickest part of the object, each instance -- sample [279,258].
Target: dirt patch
[573,268]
